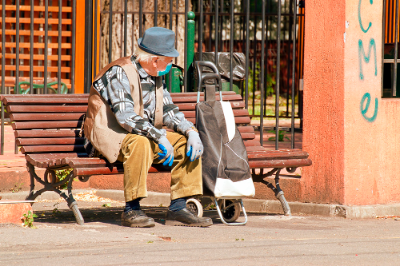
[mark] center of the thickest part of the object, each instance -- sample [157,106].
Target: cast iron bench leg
[54,186]
[277,189]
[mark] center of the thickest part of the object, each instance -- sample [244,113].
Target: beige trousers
[138,153]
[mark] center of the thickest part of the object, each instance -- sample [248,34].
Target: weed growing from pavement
[61,175]
[106,205]
[17,187]
[28,219]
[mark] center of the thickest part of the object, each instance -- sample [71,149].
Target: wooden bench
[47,130]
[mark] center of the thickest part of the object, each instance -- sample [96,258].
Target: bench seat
[46,128]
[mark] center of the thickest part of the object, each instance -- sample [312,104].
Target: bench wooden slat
[45,116]
[236,112]
[283,163]
[47,124]
[52,148]
[276,154]
[46,109]
[248,143]
[49,141]
[44,160]
[192,106]
[193,99]
[46,133]
[238,120]
[248,136]
[47,100]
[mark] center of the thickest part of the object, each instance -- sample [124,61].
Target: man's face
[155,64]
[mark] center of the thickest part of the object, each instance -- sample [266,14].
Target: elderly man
[128,104]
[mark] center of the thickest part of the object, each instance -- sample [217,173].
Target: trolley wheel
[194,206]
[230,210]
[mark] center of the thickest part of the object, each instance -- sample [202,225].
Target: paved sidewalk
[265,240]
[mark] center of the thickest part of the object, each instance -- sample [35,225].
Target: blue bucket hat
[158,41]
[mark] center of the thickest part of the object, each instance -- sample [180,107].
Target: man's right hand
[167,151]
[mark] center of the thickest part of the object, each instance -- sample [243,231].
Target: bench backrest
[51,123]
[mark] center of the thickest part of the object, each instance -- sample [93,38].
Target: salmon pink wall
[323,134]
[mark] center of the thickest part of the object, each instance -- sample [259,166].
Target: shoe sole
[177,223]
[138,225]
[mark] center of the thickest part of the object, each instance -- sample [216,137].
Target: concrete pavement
[267,239]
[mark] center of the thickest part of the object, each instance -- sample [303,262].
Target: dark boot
[186,218]
[136,218]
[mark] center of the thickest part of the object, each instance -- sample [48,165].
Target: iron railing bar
[176,27]
[247,54]
[155,12]
[170,27]
[254,66]
[46,43]
[216,31]
[16,87]
[293,71]
[88,46]
[231,47]
[95,40]
[396,50]
[262,87]
[3,73]
[110,13]
[201,24]
[140,18]
[31,50]
[278,72]
[59,47]
[383,41]
[185,77]
[266,69]
[288,61]
[73,46]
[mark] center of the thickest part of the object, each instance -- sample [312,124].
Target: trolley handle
[207,76]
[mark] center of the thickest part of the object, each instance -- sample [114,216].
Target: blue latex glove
[167,151]
[194,146]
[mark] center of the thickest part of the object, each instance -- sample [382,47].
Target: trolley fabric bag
[226,171]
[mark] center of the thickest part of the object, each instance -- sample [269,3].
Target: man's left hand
[194,146]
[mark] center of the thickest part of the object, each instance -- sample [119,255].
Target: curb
[251,205]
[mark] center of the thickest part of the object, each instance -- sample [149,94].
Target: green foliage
[269,81]
[28,219]
[106,205]
[281,135]
[63,174]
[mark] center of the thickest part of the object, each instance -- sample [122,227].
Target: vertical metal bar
[73,46]
[170,27]
[231,47]
[216,31]
[46,43]
[293,70]
[125,25]
[95,40]
[396,50]
[185,78]
[31,49]
[88,44]
[3,68]
[110,32]
[155,12]
[201,32]
[278,72]
[170,14]
[262,87]
[288,17]
[140,18]
[16,88]
[59,45]
[247,53]
[254,65]
[383,40]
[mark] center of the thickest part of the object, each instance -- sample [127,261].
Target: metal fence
[268,32]
[265,31]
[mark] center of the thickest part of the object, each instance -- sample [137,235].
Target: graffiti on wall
[366,99]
